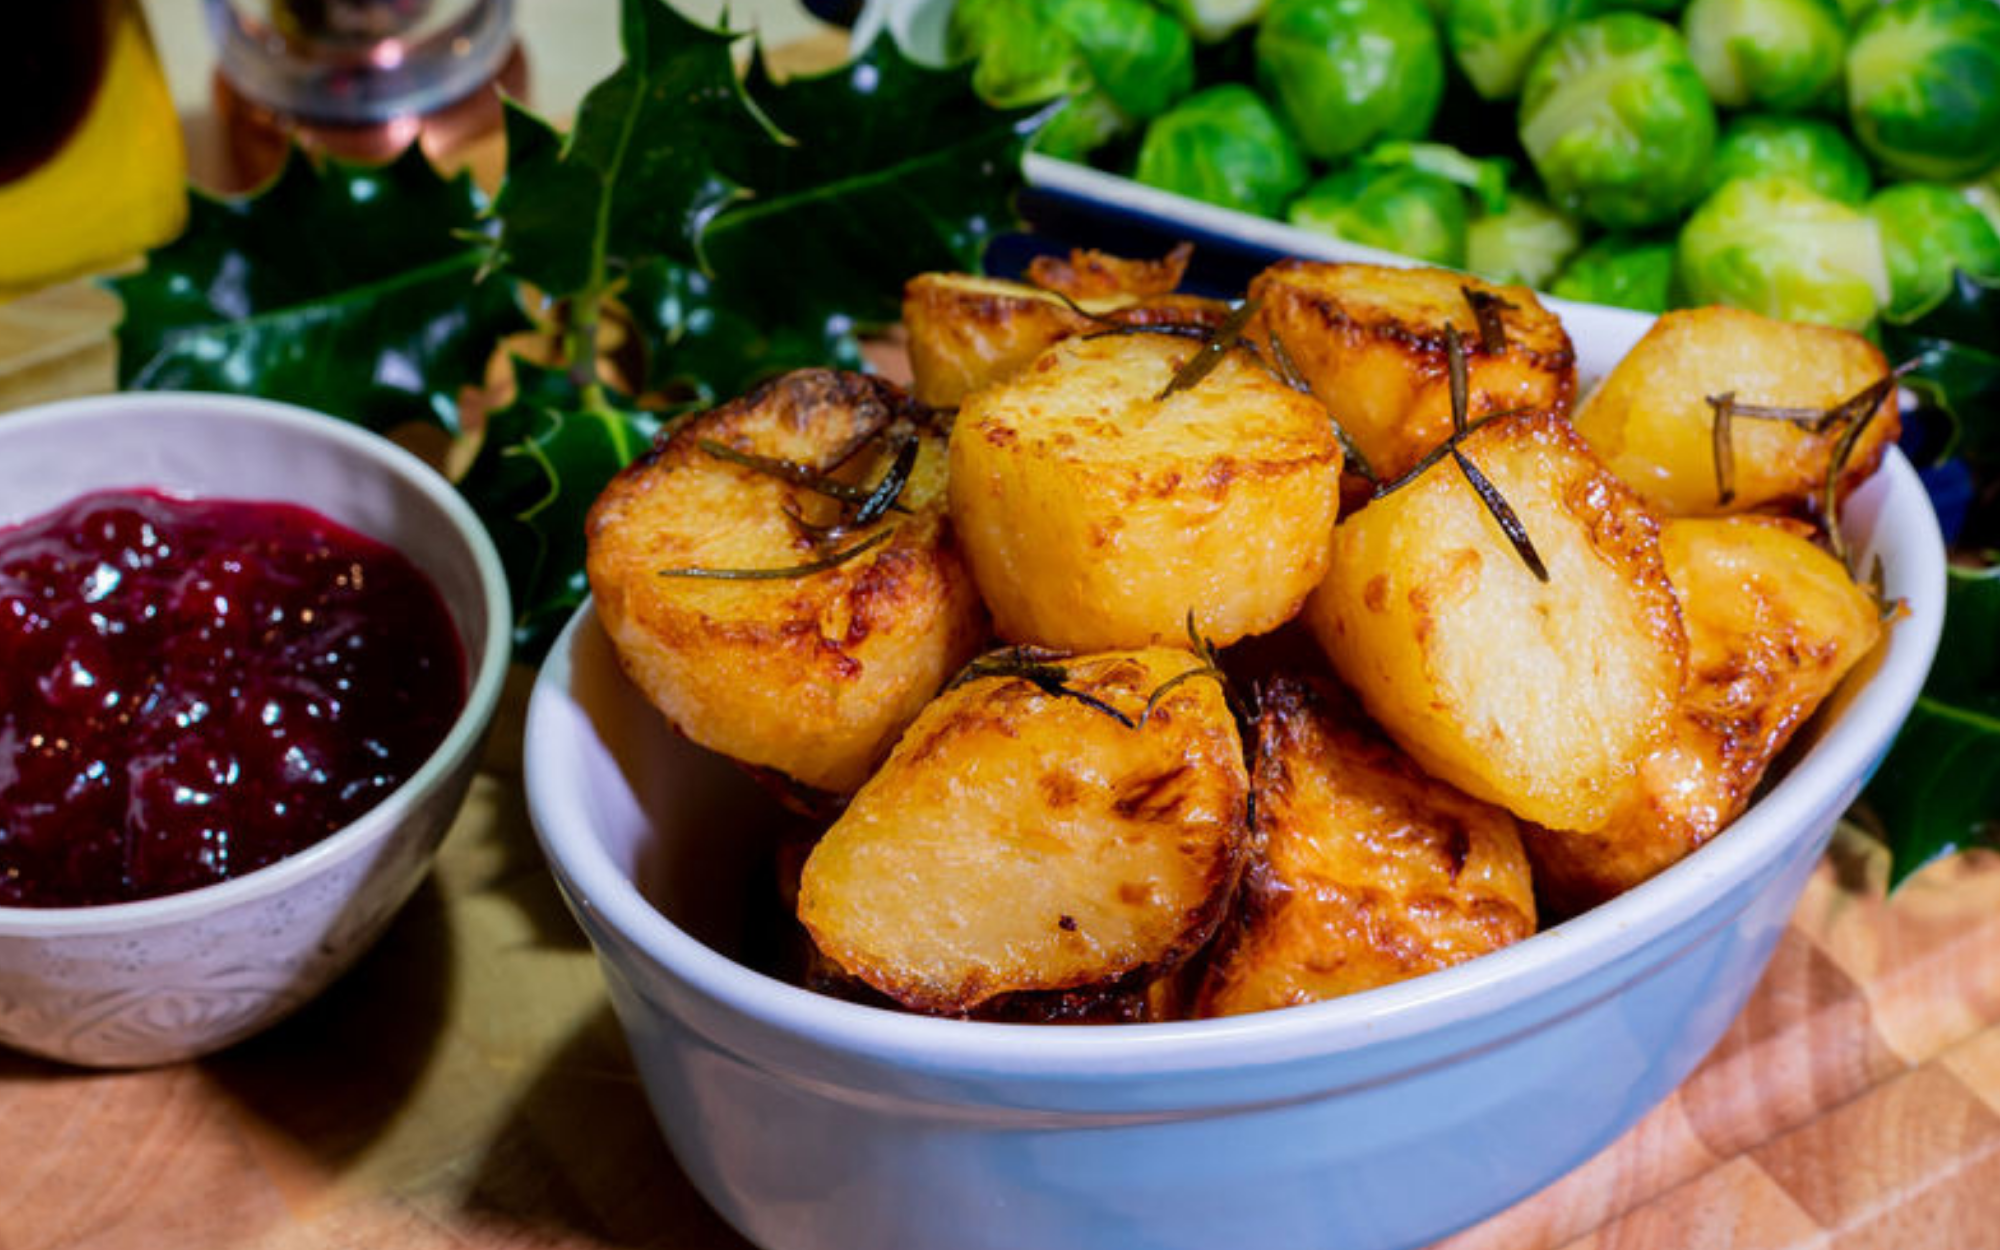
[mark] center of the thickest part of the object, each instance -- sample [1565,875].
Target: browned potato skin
[967,333]
[1019,843]
[814,676]
[1773,624]
[1542,697]
[1363,870]
[1088,274]
[1651,422]
[1096,515]
[1371,340]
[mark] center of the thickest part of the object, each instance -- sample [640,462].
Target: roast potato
[1097,514]
[1773,623]
[1651,420]
[1541,696]
[811,676]
[1021,842]
[969,332]
[1371,340]
[1363,870]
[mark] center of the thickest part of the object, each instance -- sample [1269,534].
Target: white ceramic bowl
[1386,1119]
[168,978]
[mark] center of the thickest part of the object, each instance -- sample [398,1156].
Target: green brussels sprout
[1984,196]
[1923,87]
[1086,123]
[1019,58]
[1493,41]
[1775,54]
[1396,209]
[1777,247]
[1929,231]
[1485,177]
[1223,145]
[1029,51]
[1805,149]
[1854,10]
[1346,73]
[1525,244]
[1142,58]
[1212,21]
[1616,121]
[1664,8]
[1620,271]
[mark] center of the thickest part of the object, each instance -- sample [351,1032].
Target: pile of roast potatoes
[1152,657]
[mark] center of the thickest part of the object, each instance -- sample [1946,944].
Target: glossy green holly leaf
[1939,789]
[703,350]
[892,168]
[541,463]
[352,289]
[1951,358]
[638,174]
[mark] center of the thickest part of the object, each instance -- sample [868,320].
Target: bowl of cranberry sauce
[248,656]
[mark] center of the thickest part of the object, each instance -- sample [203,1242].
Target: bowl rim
[486,671]
[1556,956]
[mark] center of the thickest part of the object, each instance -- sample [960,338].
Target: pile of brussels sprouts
[1821,160]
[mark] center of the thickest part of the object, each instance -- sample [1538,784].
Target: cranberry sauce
[190,690]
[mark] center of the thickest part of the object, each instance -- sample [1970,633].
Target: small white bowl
[163,979]
[1386,1119]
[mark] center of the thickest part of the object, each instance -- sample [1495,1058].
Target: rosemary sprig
[807,569]
[1210,666]
[890,488]
[1836,464]
[1486,309]
[1497,507]
[1722,446]
[1033,665]
[1287,370]
[1226,336]
[793,472]
[1852,415]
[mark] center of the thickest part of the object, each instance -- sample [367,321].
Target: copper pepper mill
[361,79]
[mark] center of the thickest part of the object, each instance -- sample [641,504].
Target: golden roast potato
[812,674]
[1543,696]
[1098,511]
[1773,623]
[1653,422]
[1037,836]
[1371,341]
[1363,870]
[969,332]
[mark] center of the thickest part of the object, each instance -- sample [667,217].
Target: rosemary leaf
[1203,362]
[1031,664]
[1722,446]
[792,471]
[1454,353]
[1446,448]
[1486,309]
[794,571]
[1503,515]
[1166,687]
[1287,371]
[890,488]
[1870,401]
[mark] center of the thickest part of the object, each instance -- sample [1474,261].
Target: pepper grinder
[360,79]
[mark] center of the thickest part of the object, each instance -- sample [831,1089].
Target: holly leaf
[702,349]
[1951,357]
[347,288]
[1938,791]
[637,175]
[892,168]
[541,464]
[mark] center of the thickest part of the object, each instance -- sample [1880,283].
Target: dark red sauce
[190,690]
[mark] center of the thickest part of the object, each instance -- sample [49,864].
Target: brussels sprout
[1930,230]
[1526,244]
[1225,146]
[1494,40]
[1020,58]
[1484,176]
[1617,122]
[1346,73]
[1212,21]
[1777,247]
[1625,272]
[1984,196]
[1028,51]
[1088,122]
[1776,54]
[1804,149]
[1143,59]
[1396,209]
[1923,87]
